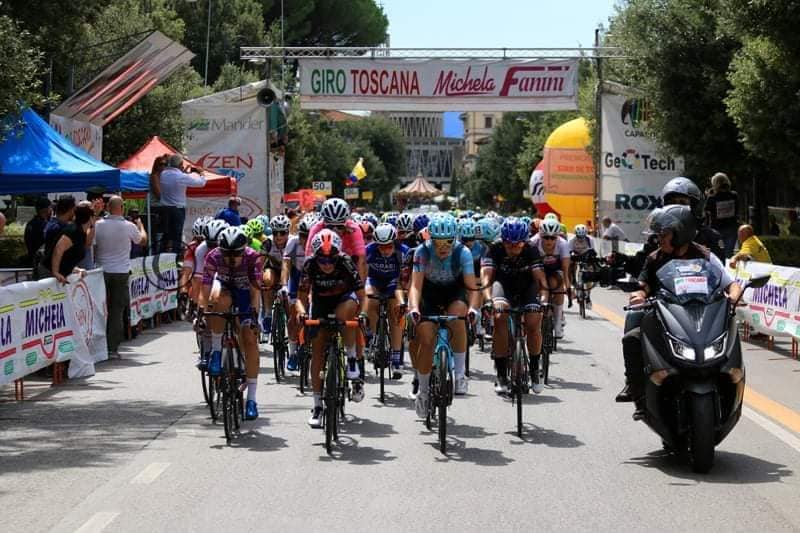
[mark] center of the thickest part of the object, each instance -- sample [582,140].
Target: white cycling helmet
[280,223]
[213,229]
[405,222]
[549,227]
[581,231]
[197,227]
[233,239]
[335,211]
[551,216]
[385,233]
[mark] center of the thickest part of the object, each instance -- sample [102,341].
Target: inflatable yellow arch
[569,180]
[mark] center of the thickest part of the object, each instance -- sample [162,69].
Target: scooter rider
[683,191]
[675,227]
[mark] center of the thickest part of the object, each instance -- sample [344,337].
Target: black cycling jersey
[343,279]
[513,272]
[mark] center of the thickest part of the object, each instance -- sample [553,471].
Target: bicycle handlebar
[331,322]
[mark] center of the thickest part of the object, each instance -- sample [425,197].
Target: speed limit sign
[322,187]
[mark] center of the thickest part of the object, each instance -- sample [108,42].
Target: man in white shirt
[113,238]
[173,183]
[612,232]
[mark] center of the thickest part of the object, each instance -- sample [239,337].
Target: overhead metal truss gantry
[262,53]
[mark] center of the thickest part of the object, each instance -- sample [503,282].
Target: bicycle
[520,373]
[549,341]
[280,339]
[487,325]
[231,383]
[335,387]
[580,285]
[441,381]
[380,349]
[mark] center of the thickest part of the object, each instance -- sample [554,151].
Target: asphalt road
[133,449]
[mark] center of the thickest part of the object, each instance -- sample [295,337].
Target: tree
[20,67]
[232,76]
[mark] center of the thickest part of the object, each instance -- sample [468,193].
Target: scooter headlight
[717,348]
[681,349]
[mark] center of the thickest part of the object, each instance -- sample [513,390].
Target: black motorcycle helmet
[675,218]
[681,186]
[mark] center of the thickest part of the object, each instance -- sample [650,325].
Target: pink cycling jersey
[241,277]
[352,239]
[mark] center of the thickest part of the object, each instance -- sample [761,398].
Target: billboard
[126,81]
[632,167]
[438,84]
[82,134]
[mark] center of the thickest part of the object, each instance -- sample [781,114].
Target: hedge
[12,252]
[784,251]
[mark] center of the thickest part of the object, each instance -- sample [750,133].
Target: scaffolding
[263,53]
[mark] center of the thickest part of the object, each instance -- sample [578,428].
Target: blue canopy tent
[35,158]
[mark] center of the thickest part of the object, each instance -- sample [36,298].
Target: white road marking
[767,424]
[150,473]
[98,522]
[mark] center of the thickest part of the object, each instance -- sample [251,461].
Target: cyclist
[272,249]
[421,222]
[443,269]
[405,228]
[189,286]
[581,248]
[211,233]
[367,230]
[335,287]
[294,257]
[512,276]
[385,259]
[555,261]
[336,217]
[256,228]
[231,277]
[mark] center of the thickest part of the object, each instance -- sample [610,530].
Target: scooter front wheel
[701,437]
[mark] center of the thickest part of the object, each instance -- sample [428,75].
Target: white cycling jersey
[562,247]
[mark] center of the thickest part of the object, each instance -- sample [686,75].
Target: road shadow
[479,375]
[557,383]
[394,400]
[43,435]
[253,438]
[457,450]
[347,449]
[571,351]
[533,434]
[365,427]
[729,468]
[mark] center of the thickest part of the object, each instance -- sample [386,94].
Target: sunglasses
[335,227]
[389,246]
[467,241]
[518,244]
[549,237]
[326,260]
[280,233]
[443,242]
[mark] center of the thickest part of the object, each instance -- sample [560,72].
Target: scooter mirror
[758,282]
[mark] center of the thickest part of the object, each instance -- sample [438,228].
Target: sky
[495,23]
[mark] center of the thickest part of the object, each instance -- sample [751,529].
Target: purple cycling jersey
[241,277]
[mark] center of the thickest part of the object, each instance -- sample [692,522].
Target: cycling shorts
[240,298]
[384,289]
[436,298]
[323,306]
[506,295]
[294,284]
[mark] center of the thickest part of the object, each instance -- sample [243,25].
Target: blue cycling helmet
[490,229]
[371,218]
[421,222]
[443,227]
[514,230]
[466,228]
[391,219]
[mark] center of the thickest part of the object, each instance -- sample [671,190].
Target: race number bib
[726,209]
[691,285]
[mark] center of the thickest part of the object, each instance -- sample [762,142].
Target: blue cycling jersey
[384,271]
[443,271]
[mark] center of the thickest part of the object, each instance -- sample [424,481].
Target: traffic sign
[366,195]
[351,193]
[322,187]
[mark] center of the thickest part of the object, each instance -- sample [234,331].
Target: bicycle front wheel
[446,386]
[331,397]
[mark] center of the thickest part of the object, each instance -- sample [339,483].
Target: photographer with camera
[173,184]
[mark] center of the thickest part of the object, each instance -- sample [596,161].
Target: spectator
[611,231]
[87,263]
[65,214]
[794,225]
[98,203]
[137,250]
[774,228]
[750,247]
[230,214]
[174,182]
[34,229]
[721,209]
[114,237]
[65,247]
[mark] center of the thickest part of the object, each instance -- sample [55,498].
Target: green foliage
[784,251]
[232,76]
[20,68]
[12,251]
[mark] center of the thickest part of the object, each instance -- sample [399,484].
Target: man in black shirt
[34,229]
[721,209]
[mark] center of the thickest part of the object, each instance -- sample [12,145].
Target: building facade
[478,127]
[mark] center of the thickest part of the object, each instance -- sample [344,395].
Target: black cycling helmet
[675,218]
[681,186]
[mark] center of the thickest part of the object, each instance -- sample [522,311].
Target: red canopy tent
[217,185]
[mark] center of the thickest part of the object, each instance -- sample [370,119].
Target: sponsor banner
[43,322]
[84,135]
[775,308]
[228,138]
[153,286]
[322,187]
[438,84]
[632,168]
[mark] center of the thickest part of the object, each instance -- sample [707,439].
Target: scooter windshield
[688,280]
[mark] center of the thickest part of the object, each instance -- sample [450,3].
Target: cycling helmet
[335,211]
[466,229]
[385,234]
[366,227]
[197,227]
[443,227]
[681,186]
[677,219]
[280,223]
[405,222]
[264,220]
[256,226]
[490,229]
[549,227]
[233,239]
[581,231]
[249,232]
[491,214]
[371,218]
[213,229]
[421,222]
[477,216]
[356,217]
[326,243]
[525,220]
[514,230]
[304,226]
[551,216]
